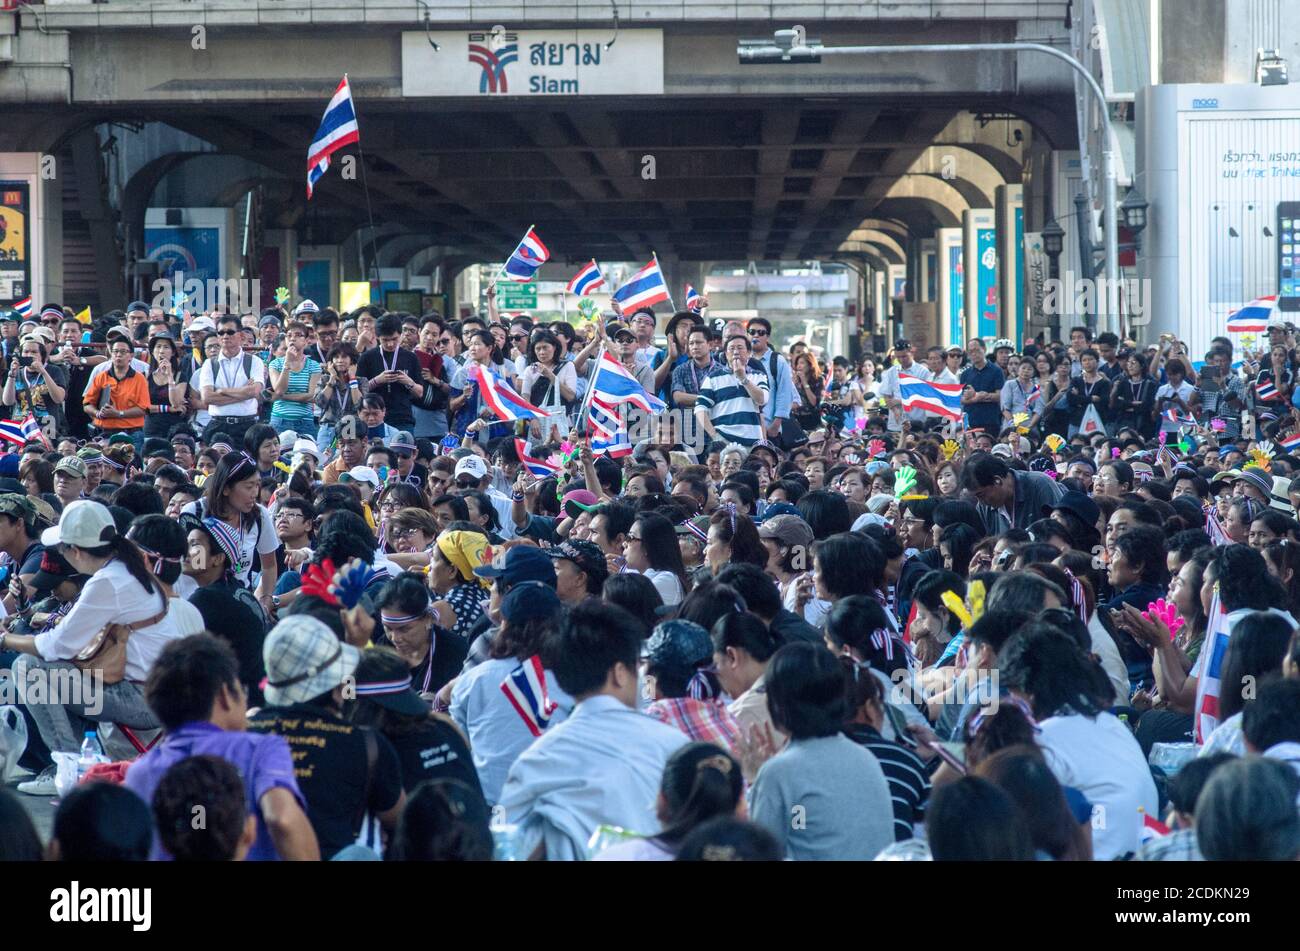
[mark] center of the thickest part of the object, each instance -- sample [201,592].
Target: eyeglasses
[227,333]
[758,332]
[406,533]
[519,336]
[467,484]
[388,506]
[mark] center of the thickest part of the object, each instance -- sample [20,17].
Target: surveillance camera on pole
[786,46]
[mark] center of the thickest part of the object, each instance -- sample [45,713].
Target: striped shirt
[730,407]
[705,720]
[909,783]
[299,380]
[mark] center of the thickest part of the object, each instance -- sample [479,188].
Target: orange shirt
[130,392]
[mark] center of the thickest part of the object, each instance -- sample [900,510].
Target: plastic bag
[13,740]
[65,779]
[1171,757]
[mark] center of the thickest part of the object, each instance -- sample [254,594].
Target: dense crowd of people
[314,582]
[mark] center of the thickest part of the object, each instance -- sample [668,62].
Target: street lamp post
[791,46]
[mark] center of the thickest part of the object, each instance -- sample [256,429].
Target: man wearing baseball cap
[69,479]
[472,474]
[345,771]
[891,390]
[515,565]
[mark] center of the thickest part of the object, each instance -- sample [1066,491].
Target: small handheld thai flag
[21,431]
[527,258]
[1253,318]
[338,127]
[941,398]
[542,468]
[693,302]
[525,688]
[1215,647]
[1173,416]
[615,448]
[586,280]
[1266,390]
[613,384]
[501,398]
[1152,828]
[1291,443]
[645,288]
[24,307]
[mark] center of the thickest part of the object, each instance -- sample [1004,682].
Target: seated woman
[410,533]
[429,745]
[495,726]
[432,653]
[460,596]
[701,782]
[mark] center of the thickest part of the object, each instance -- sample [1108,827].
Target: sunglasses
[227,333]
[758,333]
[519,336]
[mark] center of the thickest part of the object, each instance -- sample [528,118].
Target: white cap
[85,523]
[1002,449]
[203,324]
[473,465]
[286,439]
[1277,321]
[306,307]
[364,474]
[304,445]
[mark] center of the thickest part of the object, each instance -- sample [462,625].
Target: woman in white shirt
[121,590]
[163,543]
[650,547]
[230,496]
[1086,747]
[549,382]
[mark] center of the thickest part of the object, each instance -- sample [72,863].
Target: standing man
[780,381]
[1112,368]
[982,396]
[689,376]
[892,392]
[732,397]
[393,373]
[231,383]
[118,400]
[326,323]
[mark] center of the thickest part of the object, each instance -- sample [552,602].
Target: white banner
[533,63]
[1037,266]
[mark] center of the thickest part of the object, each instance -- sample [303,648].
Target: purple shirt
[263,760]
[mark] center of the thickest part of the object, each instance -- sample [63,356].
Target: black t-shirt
[239,626]
[435,751]
[329,762]
[397,398]
[441,664]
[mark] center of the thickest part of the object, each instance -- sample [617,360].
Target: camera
[24,360]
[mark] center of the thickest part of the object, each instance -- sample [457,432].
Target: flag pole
[584,411]
[501,270]
[666,285]
[365,189]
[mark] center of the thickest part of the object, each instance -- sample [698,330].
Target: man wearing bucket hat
[349,775]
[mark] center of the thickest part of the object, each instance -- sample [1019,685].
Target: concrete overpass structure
[671,146]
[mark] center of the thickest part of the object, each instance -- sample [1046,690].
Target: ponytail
[125,551]
[701,781]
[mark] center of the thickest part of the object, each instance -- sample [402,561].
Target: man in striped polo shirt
[732,395]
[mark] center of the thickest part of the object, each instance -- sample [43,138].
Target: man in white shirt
[890,389]
[602,765]
[231,383]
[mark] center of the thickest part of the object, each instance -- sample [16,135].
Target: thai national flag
[586,280]
[525,688]
[941,398]
[1152,828]
[1177,420]
[693,302]
[527,258]
[613,384]
[1033,396]
[338,127]
[1291,443]
[645,288]
[501,397]
[24,307]
[1266,390]
[1215,648]
[1253,318]
[542,468]
[614,448]
[21,431]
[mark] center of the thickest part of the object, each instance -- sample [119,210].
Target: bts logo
[493,62]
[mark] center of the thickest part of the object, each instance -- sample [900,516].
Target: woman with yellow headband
[461,596]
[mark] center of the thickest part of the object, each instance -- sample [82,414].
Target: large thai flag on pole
[501,397]
[542,468]
[586,280]
[1253,318]
[645,288]
[615,448]
[941,398]
[525,688]
[338,127]
[24,307]
[1215,648]
[527,258]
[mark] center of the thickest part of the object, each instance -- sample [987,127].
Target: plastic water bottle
[92,753]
